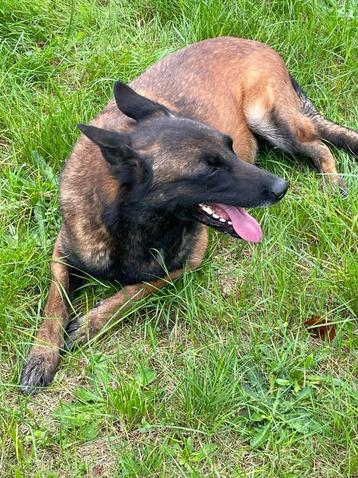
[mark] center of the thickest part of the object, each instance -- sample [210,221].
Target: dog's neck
[145,245]
[154,223]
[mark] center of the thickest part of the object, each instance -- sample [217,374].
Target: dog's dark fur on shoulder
[136,188]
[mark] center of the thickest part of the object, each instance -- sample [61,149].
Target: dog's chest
[141,256]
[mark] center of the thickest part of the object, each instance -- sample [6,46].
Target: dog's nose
[279,188]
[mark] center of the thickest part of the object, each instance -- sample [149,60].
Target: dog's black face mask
[173,165]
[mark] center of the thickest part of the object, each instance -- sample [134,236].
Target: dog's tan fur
[230,84]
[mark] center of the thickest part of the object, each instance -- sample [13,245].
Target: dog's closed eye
[214,170]
[215,164]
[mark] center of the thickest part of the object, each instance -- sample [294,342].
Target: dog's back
[216,79]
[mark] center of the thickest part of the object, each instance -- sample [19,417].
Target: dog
[169,156]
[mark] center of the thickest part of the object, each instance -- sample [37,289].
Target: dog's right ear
[126,164]
[136,106]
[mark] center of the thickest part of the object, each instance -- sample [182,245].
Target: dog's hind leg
[87,326]
[293,132]
[44,356]
[324,161]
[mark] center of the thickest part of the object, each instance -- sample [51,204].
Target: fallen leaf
[320,328]
[98,470]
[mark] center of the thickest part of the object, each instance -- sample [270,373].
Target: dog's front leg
[44,356]
[87,326]
[83,329]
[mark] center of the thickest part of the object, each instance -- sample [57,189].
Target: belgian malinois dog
[170,156]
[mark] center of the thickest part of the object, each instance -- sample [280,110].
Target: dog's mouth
[230,220]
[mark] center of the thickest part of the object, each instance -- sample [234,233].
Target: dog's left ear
[115,146]
[125,163]
[136,106]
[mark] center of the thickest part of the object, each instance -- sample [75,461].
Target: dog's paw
[338,185]
[78,332]
[38,371]
[342,187]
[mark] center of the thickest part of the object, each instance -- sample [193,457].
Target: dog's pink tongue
[244,225]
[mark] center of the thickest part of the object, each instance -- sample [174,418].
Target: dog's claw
[343,189]
[38,372]
[338,185]
[77,333]
[70,334]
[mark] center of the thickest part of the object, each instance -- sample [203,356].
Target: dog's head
[184,167]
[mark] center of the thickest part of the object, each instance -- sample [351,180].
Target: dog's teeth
[201,205]
[221,219]
[230,223]
[215,216]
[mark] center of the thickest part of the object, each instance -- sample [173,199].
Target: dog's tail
[334,133]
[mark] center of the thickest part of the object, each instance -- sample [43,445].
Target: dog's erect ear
[125,163]
[134,105]
[114,146]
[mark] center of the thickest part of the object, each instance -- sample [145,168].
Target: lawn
[216,375]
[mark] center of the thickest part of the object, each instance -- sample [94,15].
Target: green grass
[215,376]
